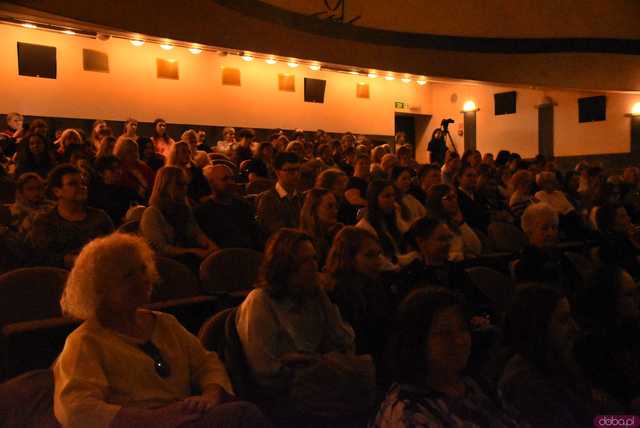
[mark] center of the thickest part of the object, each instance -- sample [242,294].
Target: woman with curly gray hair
[127,366]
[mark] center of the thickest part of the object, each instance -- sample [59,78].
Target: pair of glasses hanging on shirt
[159,363]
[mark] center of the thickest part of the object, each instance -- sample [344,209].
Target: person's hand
[202,403]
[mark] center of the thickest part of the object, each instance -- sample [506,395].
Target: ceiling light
[355,73]
[195,50]
[372,75]
[69,32]
[28,25]
[270,61]
[421,82]
[406,80]
[166,46]
[246,57]
[636,109]
[389,77]
[315,67]
[469,106]
[137,42]
[292,64]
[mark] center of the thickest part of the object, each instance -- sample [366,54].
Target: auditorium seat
[494,285]
[506,237]
[27,401]
[230,273]
[132,227]
[178,293]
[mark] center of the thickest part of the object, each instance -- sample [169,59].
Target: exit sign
[400,104]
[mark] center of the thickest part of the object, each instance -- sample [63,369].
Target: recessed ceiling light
[372,75]
[292,64]
[355,73]
[137,42]
[69,32]
[195,51]
[315,67]
[28,25]
[270,61]
[406,80]
[421,82]
[247,58]
[166,46]
[389,77]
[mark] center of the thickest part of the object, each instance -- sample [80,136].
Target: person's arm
[153,229]
[205,245]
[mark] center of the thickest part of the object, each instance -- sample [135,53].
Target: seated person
[148,155]
[30,201]
[280,207]
[473,208]
[319,220]
[410,209]
[294,339]
[336,181]
[429,354]
[521,182]
[541,260]
[108,194]
[550,195]
[134,173]
[34,155]
[126,366]
[428,175]
[356,193]
[609,353]
[540,384]
[168,223]
[199,158]
[58,235]
[226,219]
[179,155]
[620,241]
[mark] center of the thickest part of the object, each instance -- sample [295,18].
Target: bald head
[220,178]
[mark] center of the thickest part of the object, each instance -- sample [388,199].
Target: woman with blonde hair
[68,137]
[521,198]
[99,130]
[198,157]
[134,173]
[168,223]
[319,219]
[128,366]
[130,129]
[179,155]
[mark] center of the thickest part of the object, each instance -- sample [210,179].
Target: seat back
[496,286]
[230,269]
[29,294]
[212,332]
[176,281]
[27,401]
[131,227]
[506,237]
[582,265]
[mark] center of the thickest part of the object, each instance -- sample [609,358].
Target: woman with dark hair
[107,144]
[294,338]
[68,138]
[429,354]
[381,221]
[609,352]
[442,203]
[148,155]
[437,146]
[473,207]
[130,129]
[410,209]
[99,130]
[168,223]
[502,158]
[265,154]
[34,155]
[161,140]
[540,383]
[319,219]
[619,238]
[337,181]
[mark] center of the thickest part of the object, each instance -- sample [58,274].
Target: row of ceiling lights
[248,57]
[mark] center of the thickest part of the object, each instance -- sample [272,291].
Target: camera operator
[438,146]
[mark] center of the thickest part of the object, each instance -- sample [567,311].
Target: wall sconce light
[469,106]
[635,110]
[137,43]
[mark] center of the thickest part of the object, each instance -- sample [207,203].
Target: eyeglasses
[161,366]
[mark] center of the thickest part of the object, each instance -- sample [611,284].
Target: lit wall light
[389,77]
[315,67]
[292,64]
[421,82]
[166,46]
[247,57]
[469,106]
[406,80]
[28,25]
[270,61]
[372,75]
[69,32]
[355,73]
[171,60]
[635,111]
[195,50]
[137,43]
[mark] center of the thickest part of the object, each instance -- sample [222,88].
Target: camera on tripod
[445,124]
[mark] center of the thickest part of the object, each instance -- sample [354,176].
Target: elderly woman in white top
[288,324]
[550,195]
[126,366]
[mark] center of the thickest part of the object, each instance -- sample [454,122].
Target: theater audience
[427,176]
[134,173]
[521,184]
[99,130]
[451,168]
[179,155]
[299,349]
[199,158]
[58,235]
[474,209]
[429,353]
[34,155]
[108,194]
[12,133]
[356,192]
[319,220]
[410,209]
[68,138]
[442,204]
[280,206]
[126,366]
[336,181]
[541,384]
[228,141]
[161,140]
[242,150]
[226,219]
[381,221]
[148,155]
[30,201]
[168,223]
[550,195]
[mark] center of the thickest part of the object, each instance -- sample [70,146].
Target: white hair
[100,267]
[534,212]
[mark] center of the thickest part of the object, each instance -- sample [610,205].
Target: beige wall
[519,132]
[131,89]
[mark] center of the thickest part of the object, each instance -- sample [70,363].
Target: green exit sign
[400,104]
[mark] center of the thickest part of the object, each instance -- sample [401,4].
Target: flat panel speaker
[231,76]
[505,103]
[287,82]
[167,69]
[95,61]
[592,109]
[37,61]
[314,90]
[362,90]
